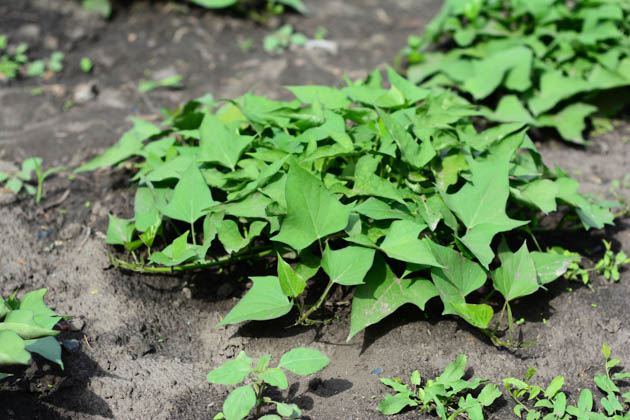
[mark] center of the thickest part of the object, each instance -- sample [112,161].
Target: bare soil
[139,347]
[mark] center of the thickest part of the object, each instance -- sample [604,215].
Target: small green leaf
[303,361]
[232,372]
[265,300]
[291,283]
[517,275]
[275,377]
[12,349]
[554,386]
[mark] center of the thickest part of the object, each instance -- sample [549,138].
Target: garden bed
[141,345]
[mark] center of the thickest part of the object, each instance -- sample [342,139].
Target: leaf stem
[304,317]
[198,265]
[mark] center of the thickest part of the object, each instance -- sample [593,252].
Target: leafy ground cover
[26,327]
[392,192]
[134,323]
[549,63]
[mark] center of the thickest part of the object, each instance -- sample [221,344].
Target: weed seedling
[255,377]
[611,263]
[285,37]
[170,82]
[550,402]
[24,178]
[86,65]
[449,395]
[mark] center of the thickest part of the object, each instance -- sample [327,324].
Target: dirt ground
[140,346]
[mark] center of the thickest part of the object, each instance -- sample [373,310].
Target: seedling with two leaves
[26,326]
[257,377]
[611,263]
[30,178]
[449,395]
[551,402]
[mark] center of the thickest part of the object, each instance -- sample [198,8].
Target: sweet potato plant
[547,63]
[391,192]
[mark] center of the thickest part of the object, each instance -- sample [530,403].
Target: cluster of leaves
[611,263]
[547,63]
[449,395]
[391,191]
[26,326]
[14,61]
[258,376]
[29,178]
[283,38]
[550,402]
[252,7]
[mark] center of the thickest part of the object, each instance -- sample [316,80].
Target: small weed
[280,40]
[551,402]
[23,180]
[449,395]
[255,377]
[86,65]
[611,263]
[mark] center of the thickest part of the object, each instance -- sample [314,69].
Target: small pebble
[71,345]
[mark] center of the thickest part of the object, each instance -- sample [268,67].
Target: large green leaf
[347,266]
[312,211]
[383,293]
[265,300]
[516,277]
[190,198]
[47,347]
[481,204]
[219,143]
[402,243]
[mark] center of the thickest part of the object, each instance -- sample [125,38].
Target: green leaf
[47,347]
[347,266]
[541,193]
[383,293]
[130,144]
[231,237]
[34,301]
[232,372]
[291,283]
[477,315]
[291,411]
[453,371]
[12,349]
[215,4]
[119,231]
[325,95]
[554,386]
[146,209]
[312,211]
[190,198]
[219,143]
[394,404]
[178,252]
[488,395]
[24,324]
[516,277]
[275,377]
[550,266]
[303,361]
[239,403]
[265,300]
[480,205]
[402,243]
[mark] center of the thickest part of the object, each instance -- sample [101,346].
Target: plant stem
[304,317]
[259,397]
[199,265]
